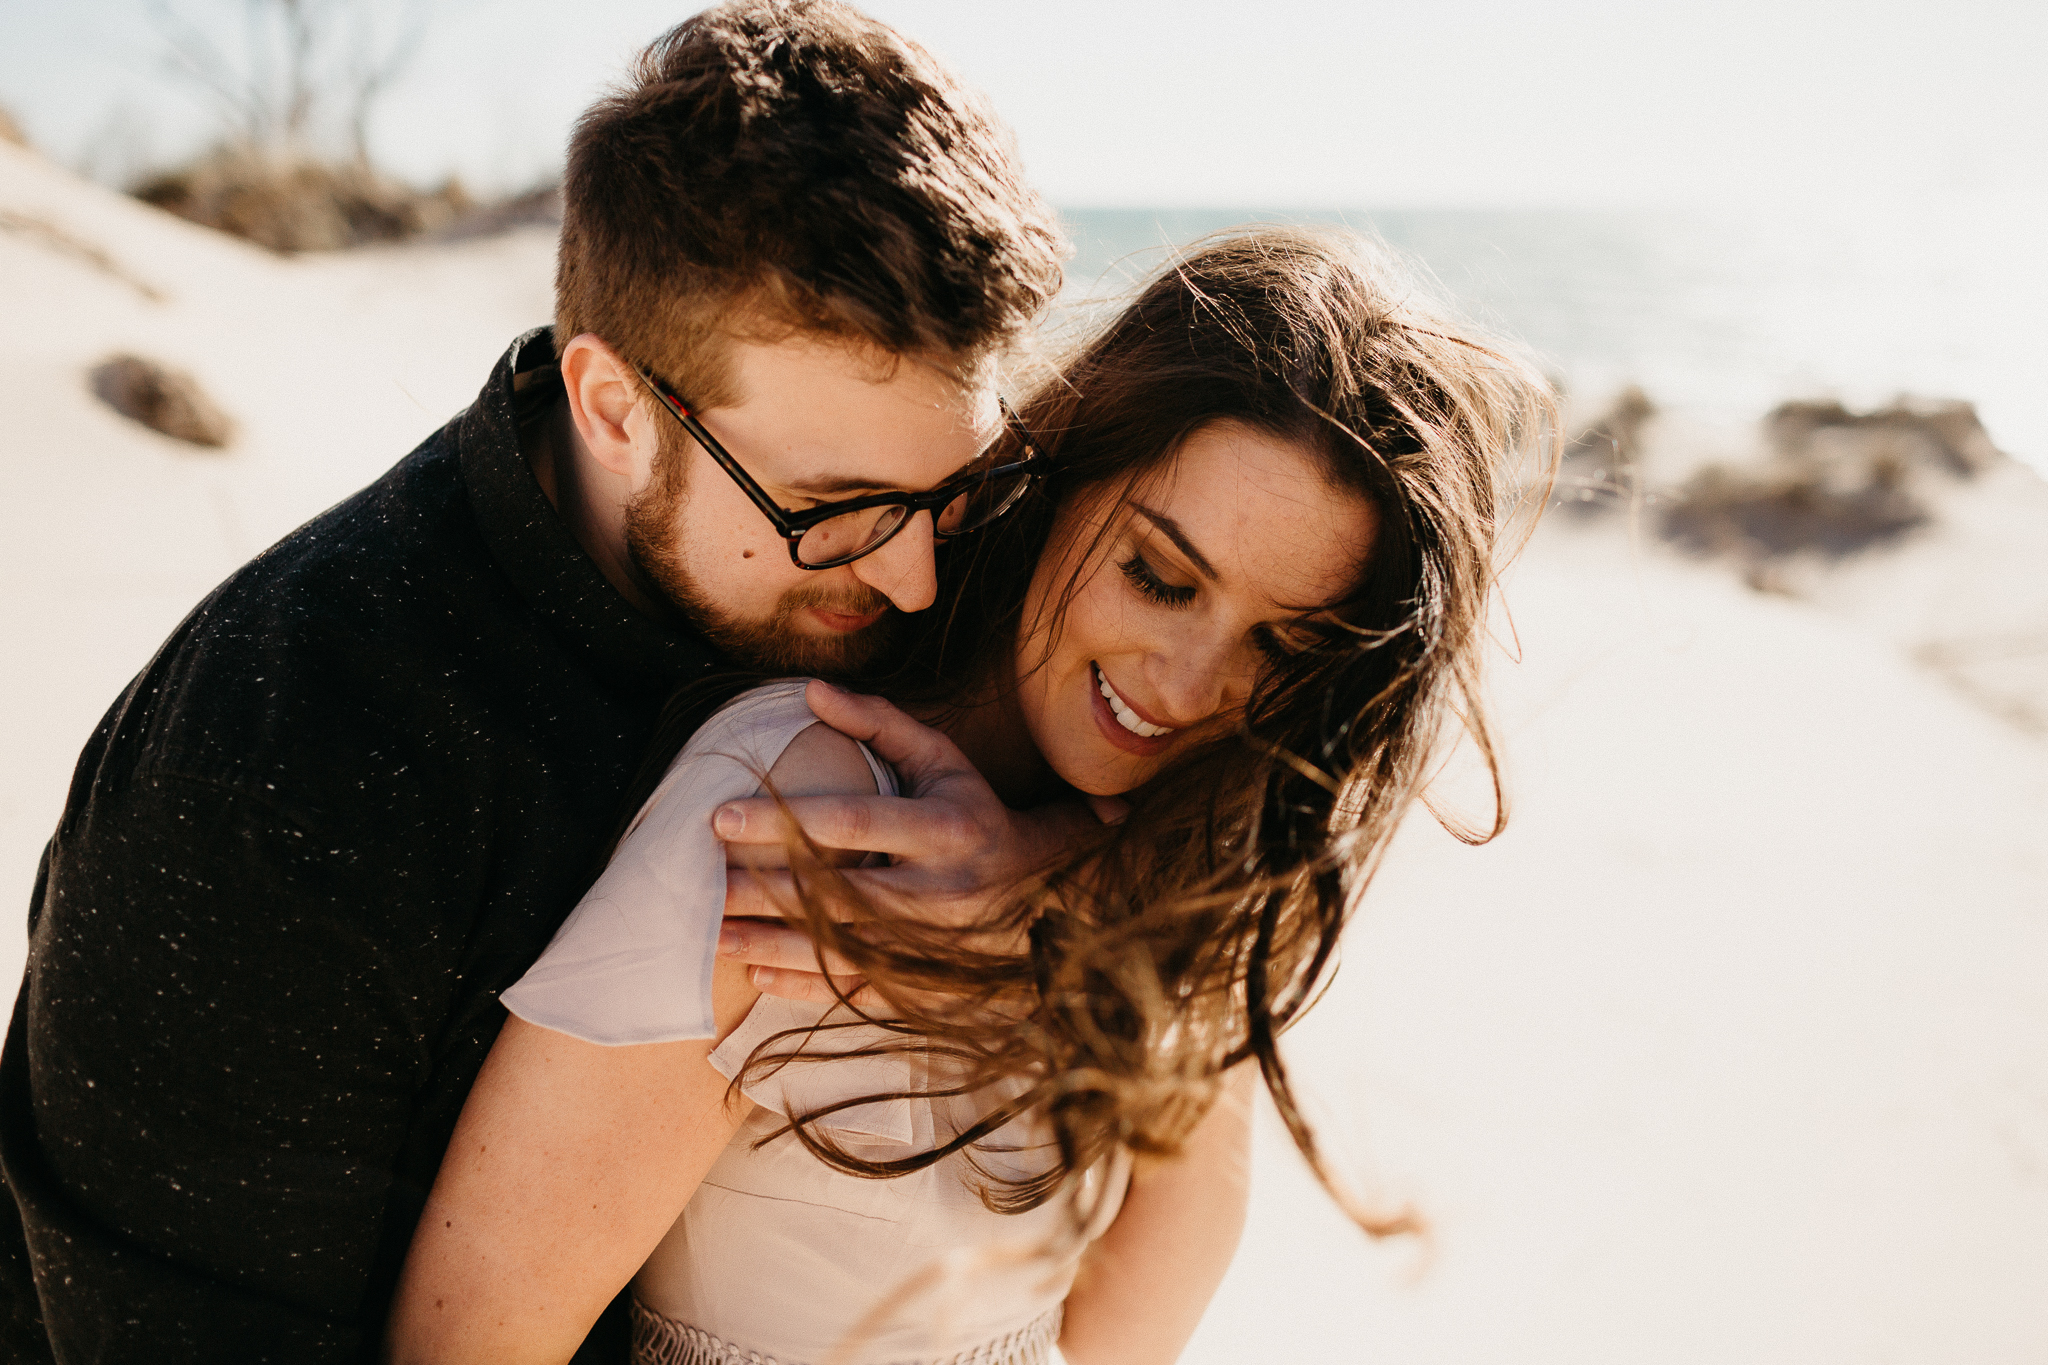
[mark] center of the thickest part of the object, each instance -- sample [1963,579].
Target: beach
[1733,1047]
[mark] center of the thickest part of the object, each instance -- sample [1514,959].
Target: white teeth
[1124,715]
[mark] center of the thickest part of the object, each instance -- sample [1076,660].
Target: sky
[1447,104]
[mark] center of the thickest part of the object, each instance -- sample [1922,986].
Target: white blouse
[780,1256]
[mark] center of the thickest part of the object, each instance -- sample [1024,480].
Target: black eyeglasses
[840,532]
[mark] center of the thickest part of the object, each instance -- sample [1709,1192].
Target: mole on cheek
[746,554]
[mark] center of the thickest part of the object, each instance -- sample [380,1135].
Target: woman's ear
[604,402]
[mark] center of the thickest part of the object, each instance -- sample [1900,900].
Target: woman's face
[1197,581]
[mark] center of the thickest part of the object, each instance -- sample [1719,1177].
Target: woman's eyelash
[1149,583]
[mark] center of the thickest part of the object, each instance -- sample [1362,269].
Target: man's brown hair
[796,166]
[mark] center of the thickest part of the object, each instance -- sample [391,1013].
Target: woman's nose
[904,570]
[1195,679]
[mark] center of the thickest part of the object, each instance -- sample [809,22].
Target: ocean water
[1722,314]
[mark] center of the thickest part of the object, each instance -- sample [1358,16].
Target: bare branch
[307,72]
[196,58]
[302,22]
[373,75]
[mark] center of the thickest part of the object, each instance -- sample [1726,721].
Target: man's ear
[604,402]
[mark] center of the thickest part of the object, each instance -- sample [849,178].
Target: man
[357,790]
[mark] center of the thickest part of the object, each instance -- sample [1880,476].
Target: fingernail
[728,940]
[729,821]
[763,977]
[832,687]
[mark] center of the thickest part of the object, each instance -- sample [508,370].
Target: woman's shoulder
[821,761]
[771,730]
[767,706]
[750,730]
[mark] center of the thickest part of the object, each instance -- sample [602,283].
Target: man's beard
[775,645]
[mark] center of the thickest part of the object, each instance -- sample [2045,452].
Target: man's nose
[904,570]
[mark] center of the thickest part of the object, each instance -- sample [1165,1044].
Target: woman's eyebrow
[1170,528]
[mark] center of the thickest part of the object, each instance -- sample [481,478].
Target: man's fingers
[772,895]
[920,754]
[772,943]
[757,895]
[785,984]
[897,825]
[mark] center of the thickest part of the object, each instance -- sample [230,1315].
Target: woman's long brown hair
[1187,938]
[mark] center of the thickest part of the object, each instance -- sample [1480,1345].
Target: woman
[1263,548]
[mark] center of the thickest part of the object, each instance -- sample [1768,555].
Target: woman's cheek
[1098,617]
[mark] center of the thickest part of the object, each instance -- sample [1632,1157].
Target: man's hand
[955,849]
[781,960]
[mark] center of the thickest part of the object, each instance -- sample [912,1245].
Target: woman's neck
[987,722]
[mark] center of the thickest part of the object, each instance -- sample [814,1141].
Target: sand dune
[1734,1048]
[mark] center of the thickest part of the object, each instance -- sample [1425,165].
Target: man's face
[815,423]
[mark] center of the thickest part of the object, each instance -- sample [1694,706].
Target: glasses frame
[795,525]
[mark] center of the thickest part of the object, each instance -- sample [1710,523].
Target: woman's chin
[1104,786]
[1100,775]
[1095,756]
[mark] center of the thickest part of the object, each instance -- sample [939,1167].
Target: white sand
[1733,1049]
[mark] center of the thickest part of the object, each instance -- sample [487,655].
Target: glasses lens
[844,537]
[981,504]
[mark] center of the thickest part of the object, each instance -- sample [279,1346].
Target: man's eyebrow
[1171,530]
[827,485]
[844,485]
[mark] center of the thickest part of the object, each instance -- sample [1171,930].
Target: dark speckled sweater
[346,804]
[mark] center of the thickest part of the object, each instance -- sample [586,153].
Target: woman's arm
[569,1164]
[572,1160]
[1145,1283]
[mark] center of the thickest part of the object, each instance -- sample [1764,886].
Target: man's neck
[586,497]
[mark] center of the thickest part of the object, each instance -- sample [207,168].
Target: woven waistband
[664,1341]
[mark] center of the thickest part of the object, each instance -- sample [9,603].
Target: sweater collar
[536,549]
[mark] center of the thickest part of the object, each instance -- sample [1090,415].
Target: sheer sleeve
[633,962]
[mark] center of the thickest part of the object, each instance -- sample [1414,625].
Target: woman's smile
[1123,724]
